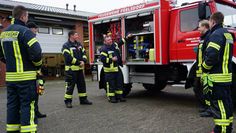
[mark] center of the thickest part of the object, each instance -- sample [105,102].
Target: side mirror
[202,10]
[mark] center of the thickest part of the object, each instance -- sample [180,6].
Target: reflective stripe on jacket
[73,53]
[20,51]
[217,60]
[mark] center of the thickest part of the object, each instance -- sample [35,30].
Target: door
[187,34]
[51,39]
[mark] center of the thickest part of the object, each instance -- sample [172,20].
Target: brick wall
[79,29]
[2,74]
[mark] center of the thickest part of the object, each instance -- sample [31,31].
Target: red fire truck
[164,37]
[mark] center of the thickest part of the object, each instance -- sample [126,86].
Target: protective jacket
[17,43]
[73,53]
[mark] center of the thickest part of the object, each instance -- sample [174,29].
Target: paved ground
[172,111]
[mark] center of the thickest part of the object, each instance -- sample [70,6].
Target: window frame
[48,28]
[180,19]
[56,28]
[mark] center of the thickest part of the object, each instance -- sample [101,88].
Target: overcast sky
[96,6]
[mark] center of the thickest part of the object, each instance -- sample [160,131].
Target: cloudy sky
[96,6]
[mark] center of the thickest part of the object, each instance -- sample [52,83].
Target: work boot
[68,105]
[113,100]
[39,115]
[120,98]
[85,101]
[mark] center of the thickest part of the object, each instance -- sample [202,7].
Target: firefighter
[217,73]
[75,58]
[203,28]
[34,28]
[111,59]
[21,52]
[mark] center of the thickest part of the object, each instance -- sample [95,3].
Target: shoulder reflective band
[32,41]
[214,45]
[229,37]
[103,53]
[66,51]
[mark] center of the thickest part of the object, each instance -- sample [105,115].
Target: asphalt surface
[174,110]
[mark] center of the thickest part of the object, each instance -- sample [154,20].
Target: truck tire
[156,87]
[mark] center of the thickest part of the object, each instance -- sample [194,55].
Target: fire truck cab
[161,49]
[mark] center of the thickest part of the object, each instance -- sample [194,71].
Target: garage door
[51,39]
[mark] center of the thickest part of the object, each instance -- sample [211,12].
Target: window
[57,31]
[44,30]
[189,20]
[230,14]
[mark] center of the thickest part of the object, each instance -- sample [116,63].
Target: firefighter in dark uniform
[75,58]
[203,28]
[21,52]
[34,28]
[217,73]
[111,59]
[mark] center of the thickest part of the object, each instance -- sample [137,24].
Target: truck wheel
[126,89]
[155,87]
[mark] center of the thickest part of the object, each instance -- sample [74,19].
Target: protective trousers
[222,108]
[114,84]
[201,97]
[72,78]
[221,105]
[21,97]
[36,104]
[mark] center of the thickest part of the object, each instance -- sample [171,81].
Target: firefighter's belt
[218,78]
[73,68]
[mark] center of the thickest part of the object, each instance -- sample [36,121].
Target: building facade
[54,25]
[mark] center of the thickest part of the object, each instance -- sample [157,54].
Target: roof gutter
[67,16]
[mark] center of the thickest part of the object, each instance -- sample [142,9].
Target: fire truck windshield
[230,14]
